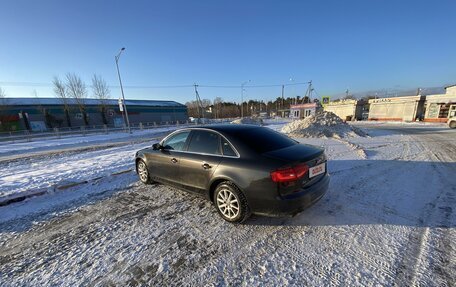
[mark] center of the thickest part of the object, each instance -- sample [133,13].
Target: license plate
[316,170]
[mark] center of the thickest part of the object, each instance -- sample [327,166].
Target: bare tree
[61,93]
[349,97]
[2,100]
[102,93]
[217,106]
[77,90]
[193,107]
[2,108]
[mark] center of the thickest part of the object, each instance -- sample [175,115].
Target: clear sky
[360,45]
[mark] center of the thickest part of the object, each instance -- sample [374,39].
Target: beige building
[438,106]
[348,110]
[408,108]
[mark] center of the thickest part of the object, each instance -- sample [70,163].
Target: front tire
[452,124]
[231,203]
[143,172]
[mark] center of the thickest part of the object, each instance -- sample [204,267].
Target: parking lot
[388,219]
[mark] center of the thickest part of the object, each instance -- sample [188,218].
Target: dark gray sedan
[242,169]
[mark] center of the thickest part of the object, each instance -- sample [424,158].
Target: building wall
[36,116]
[344,109]
[395,109]
[450,91]
[303,110]
[438,106]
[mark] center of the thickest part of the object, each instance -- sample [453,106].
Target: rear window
[263,139]
[227,149]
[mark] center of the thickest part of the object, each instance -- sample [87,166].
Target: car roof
[227,127]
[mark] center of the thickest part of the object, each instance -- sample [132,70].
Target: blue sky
[360,45]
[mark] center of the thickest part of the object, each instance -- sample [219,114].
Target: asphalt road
[441,140]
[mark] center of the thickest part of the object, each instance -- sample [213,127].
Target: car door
[199,161]
[164,163]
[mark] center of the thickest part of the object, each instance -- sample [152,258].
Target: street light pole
[121,89]
[242,98]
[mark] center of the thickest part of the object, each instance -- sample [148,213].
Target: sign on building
[325,100]
[433,111]
[121,105]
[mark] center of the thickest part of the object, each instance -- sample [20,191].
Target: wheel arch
[452,124]
[215,182]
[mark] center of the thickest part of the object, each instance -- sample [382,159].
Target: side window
[204,142]
[177,141]
[227,148]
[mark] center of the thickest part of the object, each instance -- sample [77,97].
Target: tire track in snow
[419,237]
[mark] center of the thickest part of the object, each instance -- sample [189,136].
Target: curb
[57,187]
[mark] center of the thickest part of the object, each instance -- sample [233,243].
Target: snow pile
[248,121]
[325,124]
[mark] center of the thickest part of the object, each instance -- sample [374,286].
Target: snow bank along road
[388,219]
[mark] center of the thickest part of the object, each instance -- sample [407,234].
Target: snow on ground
[397,123]
[388,219]
[47,144]
[23,175]
[249,121]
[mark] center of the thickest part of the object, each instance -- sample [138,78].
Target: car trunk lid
[297,155]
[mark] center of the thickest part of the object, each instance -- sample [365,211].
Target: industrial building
[438,106]
[408,108]
[37,114]
[348,110]
[430,108]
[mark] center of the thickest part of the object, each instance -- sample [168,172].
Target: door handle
[173,160]
[205,165]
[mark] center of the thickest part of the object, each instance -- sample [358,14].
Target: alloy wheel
[142,171]
[228,203]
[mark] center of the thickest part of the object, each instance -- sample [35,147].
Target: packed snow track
[388,219]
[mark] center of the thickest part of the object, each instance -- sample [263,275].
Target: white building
[408,108]
[438,106]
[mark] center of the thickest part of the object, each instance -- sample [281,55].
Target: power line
[35,84]
[31,84]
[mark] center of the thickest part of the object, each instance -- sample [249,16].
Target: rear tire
[231,203]
[452,124]
[143,172]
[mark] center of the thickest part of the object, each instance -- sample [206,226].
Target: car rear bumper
[294,203]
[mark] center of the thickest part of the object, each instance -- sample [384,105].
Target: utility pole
[198,102]
[283,90]
[121,89]
[310,91]
[242,98]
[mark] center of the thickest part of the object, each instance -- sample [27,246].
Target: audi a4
[242,169]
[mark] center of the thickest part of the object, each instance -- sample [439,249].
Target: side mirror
[157,146]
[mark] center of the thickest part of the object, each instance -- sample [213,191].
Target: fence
[26,135]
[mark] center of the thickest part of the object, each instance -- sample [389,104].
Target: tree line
[218,108]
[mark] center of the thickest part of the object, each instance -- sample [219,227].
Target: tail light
[289,174]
